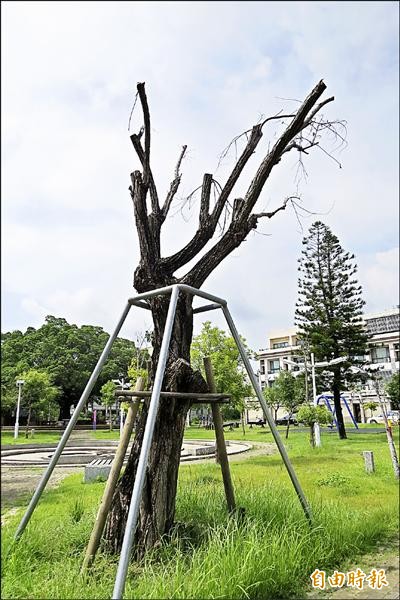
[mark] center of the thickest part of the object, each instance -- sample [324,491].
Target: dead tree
[303,129]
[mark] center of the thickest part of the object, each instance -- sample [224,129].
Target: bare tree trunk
[338,406]
[287,429]
[157,508]
[312,436]
[28,420]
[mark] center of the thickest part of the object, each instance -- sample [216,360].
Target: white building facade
[383,349]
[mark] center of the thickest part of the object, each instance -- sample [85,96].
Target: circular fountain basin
[80,454]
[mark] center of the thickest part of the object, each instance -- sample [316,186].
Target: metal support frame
[327,399]
[130,527]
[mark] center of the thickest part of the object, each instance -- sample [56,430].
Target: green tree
[272,399]
[392,389]
[68,353]
[107,396]
[229,374]
[38,394]
[290,392]
[309,415]
[329,307]
[371,406]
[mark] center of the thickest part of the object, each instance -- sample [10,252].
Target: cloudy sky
[69,73]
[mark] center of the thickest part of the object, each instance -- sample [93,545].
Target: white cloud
[70,69]
[380,279]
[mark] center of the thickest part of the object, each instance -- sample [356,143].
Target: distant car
[392,415]
[284,420]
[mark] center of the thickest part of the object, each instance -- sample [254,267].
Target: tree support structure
[140,300]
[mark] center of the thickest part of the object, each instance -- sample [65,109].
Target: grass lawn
[40,437]
[268,554]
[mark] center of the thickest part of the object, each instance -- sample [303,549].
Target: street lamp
[19,384]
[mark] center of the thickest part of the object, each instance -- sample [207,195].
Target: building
[383,329]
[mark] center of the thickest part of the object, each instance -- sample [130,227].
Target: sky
[212,70]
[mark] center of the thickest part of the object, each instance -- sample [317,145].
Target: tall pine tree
[329,307]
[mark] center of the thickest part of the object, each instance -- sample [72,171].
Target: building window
[380,354]
[280,345]
[274,366]
[262,367]
[396,352]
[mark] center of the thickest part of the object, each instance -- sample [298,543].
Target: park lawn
[40,437]
[269,553]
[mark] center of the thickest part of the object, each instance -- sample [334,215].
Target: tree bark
[157,508]
[338,406]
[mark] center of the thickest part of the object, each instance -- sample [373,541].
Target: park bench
[98,468]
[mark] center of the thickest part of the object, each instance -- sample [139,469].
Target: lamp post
[20,383]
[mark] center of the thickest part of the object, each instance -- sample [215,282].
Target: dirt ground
[18,484]
[387,558]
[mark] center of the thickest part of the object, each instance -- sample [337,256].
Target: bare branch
[269,215]
[205,199]
[317,109]
[274,156]
[147,177]
[174,185]
[135,139]
[207,228]
[133,108]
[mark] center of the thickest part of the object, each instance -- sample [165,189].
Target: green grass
[270,553]
[40,437]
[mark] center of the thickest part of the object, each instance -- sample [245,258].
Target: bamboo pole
[220,439]
[116,466]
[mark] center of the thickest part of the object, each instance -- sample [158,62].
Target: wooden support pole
[116,466]
[369,461]
[220,439]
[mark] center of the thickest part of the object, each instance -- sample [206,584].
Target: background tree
[107,396]
[329,309]
[309,415]
[230,377]
[233,218]
[272,399]
[371,406]
[38,394]
[291,393]
[392,389]
[68,353]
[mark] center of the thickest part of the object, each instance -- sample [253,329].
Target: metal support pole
[317,431]
[144,452]
[16,428]
[71,424]
[303,501]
